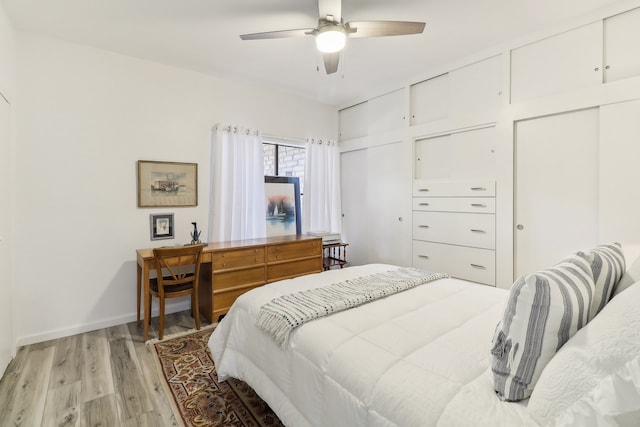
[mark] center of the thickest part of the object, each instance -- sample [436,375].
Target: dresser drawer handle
[473,230]
[423,189]
[478,188]
[423,226]
[481,267]
[424,204]
[423,256]
[478,205]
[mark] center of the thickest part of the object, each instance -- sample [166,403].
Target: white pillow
[596,375]
[607,266]
[629,278]
[543,311]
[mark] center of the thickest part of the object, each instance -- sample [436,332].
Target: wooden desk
[230,269]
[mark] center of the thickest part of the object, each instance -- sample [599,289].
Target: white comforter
[417,358]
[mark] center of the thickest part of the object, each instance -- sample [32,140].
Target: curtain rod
[286,140]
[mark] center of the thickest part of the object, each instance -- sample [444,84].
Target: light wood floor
[101,378]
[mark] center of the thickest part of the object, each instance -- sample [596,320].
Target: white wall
[7,91]
[85,117]
[7,56]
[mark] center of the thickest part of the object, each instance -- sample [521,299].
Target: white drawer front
[476,265]
[429,188]
[467,229]
[455,204]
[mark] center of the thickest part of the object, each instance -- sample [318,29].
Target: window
[284,160]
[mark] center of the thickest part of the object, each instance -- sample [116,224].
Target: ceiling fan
[332,32]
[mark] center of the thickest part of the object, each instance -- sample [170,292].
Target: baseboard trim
[92,326]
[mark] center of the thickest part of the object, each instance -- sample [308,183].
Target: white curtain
[237,207]
[321,209]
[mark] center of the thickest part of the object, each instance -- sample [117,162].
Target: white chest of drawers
[454,228]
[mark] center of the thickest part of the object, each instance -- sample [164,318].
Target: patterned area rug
[198,399]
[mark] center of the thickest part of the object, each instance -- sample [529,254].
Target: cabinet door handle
[478,188]
[424,204]
[423,189]
[423,226]
[475,230]
[423,256]
[481,267]
[478,205]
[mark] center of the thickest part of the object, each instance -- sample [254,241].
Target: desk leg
[139,289]
[147,302]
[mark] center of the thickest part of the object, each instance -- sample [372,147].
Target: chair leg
[147,307]
[195,311]
[161,332]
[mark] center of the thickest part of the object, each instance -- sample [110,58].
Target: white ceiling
[203,35]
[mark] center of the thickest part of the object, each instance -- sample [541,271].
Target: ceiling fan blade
[330,8]
[278,34]
[383,28]
[331,62]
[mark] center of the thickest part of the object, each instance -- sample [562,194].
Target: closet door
[376,205]
[353,190]
[389,205]
[556,188]
[619,197]
[6,330]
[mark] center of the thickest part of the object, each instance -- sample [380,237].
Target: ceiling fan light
[331,40]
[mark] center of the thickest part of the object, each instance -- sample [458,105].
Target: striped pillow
[629,278]
[607,266]
[543,311]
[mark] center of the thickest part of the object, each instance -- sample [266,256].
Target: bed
[422,357]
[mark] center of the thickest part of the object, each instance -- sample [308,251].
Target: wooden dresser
[239,266]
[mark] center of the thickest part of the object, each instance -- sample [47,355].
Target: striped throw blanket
[281,315]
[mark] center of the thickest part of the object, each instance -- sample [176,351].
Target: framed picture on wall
[282,205]
[167,184]
[161,226]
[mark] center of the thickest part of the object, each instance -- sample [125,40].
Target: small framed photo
[161,226]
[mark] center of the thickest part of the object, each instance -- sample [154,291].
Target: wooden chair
[178,272]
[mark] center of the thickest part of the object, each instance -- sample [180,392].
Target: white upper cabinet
[377,115]
[461,155]
[622,37]
[429,100]
[353,122]
[386,112]
[475,87]
[603,51]
[563,62]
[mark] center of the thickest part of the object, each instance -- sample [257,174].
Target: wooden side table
[334,254]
